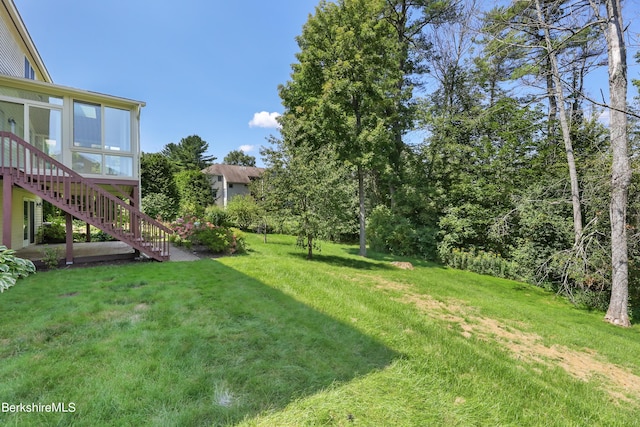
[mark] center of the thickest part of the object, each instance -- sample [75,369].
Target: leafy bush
[216,239]
[51,257]
[243,211]
[158,205]
[481,262]
[217,216]
[13,268]
[101,236]
[195,192]
[193,231]
[52,232]
[395,234]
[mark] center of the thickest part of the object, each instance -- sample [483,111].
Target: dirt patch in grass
[585,364]
[141,307]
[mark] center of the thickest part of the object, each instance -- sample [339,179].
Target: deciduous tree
[618,312]
[343,86]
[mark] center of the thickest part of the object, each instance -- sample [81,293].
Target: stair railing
[81,197]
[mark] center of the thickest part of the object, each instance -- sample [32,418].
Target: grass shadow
[199,344]
[339,261]
[384,257]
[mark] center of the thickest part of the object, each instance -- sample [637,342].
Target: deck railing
[81,197]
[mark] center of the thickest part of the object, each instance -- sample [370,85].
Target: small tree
[243,211]
[313,189]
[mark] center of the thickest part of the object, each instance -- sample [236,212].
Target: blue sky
[203,67]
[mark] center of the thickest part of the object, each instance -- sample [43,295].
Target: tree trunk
[566,132]
[553,106]
[361,215]
[620,170]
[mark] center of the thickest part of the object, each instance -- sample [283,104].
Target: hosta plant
[12,268]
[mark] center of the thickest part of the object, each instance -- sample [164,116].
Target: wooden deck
[82,252]
[95,252]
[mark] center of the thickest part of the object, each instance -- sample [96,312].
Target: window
[230,185]
[91,120]
[89,163]
[219,178]
[117,129]
[118,165]
[100,135]
[45,130]
[28,70]
[87,125]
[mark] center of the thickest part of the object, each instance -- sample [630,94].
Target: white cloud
[246,148]
[264,119]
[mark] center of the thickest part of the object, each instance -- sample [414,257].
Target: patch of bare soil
[585,364]
[403,265]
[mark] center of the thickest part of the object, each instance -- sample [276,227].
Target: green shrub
[395,234]
[243,211]
[101,236]
[481,262]
[50,257]
[193,231]
[195,192]
[158,205]
[216,239]
[217,216]
[12,268]
[240,241]
[52,232]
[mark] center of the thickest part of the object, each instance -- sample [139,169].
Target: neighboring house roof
[235,174]
[12,10]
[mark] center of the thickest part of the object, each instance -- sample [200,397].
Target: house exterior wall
[229,181]
[218,186]
[96,135]
[47,116]
[236,189]
[225,191]
[18,196]
[13,46]
[11,55]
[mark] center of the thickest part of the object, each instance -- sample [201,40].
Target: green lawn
[271,339]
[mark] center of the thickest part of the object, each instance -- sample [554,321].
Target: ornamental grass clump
[12,268]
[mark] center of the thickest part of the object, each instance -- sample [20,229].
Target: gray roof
[235,174]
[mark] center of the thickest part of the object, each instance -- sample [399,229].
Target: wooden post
[88,237]
[7,184]
[134,226]
[69,237]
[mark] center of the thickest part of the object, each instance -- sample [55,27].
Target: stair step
[84,200]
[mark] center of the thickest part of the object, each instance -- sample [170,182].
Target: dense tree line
[512,169]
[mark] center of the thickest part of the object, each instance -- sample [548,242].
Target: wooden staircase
[40,174]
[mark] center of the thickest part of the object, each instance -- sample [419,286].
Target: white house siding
[237,189]
[11,55]
[230,181]
[218,187]
[17,197]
